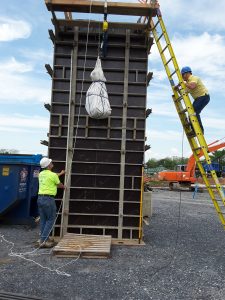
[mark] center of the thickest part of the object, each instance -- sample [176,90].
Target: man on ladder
[197,90]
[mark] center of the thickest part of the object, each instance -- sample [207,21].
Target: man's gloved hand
[177,87]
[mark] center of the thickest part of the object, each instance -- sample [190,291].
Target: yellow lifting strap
[105,25]
[186,114]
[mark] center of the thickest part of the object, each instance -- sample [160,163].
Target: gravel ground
[177,262]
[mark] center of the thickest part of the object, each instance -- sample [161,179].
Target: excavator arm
[187,177]
[192,163]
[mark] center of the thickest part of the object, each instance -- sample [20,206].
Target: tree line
[170,163]
[9,151]
[167,162]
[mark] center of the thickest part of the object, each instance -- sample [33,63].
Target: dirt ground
[183,258]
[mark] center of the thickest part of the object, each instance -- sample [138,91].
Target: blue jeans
[47,211]
[198,104]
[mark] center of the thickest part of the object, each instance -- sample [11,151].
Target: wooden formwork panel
[107,155]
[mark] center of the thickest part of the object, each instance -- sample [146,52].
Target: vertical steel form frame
[123,142]
[70,139]
[103,194]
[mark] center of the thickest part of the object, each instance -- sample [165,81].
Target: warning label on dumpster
[5,171]
[36,173]
[23,180]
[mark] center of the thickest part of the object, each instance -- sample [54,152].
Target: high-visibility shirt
[48,182]
[200,89]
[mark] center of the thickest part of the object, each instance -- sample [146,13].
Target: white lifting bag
[97,101]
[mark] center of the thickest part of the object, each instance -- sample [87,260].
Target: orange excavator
[185,173]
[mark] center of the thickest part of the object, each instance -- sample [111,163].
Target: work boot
[46,244]
[50,239]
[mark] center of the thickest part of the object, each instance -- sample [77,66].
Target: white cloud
[185,14]
[38,55]
[164,135]
[14,129]
[166,143]
[13,29]
[215,123]
[164,109]
[23,133]
[18,122]
[205,54]
[17,85]
[158,75]
[11,65]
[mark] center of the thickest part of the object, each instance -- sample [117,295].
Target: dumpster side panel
[18,188]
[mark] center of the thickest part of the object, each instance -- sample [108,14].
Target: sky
[197,32]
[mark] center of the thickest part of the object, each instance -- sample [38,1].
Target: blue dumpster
[19,188]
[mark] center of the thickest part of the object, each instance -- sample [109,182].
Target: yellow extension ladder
[186,113]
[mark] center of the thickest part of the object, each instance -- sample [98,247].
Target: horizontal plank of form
[98,24]
[87,246]
[116,8]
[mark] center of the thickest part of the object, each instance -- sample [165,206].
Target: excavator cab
[181,168]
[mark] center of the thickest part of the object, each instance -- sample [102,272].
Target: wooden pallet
[86,246]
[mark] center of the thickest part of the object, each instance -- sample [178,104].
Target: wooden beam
[47,106]
[49,69]
[148,112]
[44,142]
[55,22]
[116,8]
[149,78]
[68,15]
[51,35]
[98,24]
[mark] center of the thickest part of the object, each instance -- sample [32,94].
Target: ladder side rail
[210,190]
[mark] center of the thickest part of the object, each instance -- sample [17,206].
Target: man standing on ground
[48,184]
[197,90]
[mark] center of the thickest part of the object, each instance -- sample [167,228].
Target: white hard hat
[45,162]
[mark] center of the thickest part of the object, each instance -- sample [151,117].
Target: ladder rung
[187,126]
[221,213]
[164,48]
[179,98]
[156,24]
[198,148]
[183,111]
[174,72]
[203,174]
[198,151]
[212,187]
[191,134]
[161,35]
[168,61]
[218,201]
